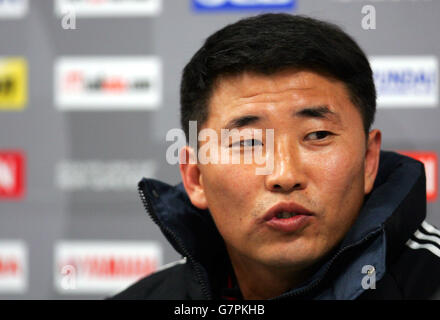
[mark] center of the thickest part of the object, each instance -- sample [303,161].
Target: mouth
[286,210]
[287,217]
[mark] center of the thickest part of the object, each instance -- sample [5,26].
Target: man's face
[319,161]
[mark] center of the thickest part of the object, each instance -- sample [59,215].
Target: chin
[290,258]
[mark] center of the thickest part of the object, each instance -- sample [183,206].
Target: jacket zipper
[149,208]
[317,282]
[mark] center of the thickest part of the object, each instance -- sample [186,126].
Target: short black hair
[269,43]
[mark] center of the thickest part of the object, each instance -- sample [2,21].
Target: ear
[192,177]
[372,155]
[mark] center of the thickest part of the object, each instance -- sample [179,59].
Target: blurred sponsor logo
[13,8]
[406,81]
[103,267]
[102,176]
[13,267]
[108,8]
[430,160]
[387,1]
[13,83]
[108,83]
[12,174]
[216,5]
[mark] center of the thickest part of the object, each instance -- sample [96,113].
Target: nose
[287,174]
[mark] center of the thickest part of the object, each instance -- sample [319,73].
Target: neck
[259,282]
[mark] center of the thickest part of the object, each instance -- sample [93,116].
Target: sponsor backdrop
[88,92]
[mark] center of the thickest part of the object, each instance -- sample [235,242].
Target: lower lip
[292,224]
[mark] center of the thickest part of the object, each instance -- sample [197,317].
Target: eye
[318,135]
[247,143]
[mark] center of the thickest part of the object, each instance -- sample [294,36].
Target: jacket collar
[390,214]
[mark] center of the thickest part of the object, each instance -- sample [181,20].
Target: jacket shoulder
[413,274]
[416,270]
[166,283]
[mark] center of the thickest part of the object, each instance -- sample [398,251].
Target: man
[332,218]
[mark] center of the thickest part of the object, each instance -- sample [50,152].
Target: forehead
[250,83]
[248,91]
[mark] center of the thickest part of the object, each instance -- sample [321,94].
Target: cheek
[337,175]
[337,189]
[229,189]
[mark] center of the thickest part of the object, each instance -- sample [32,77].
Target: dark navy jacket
[390,252]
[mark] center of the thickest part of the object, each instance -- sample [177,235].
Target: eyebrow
[241,121]
[317,112]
